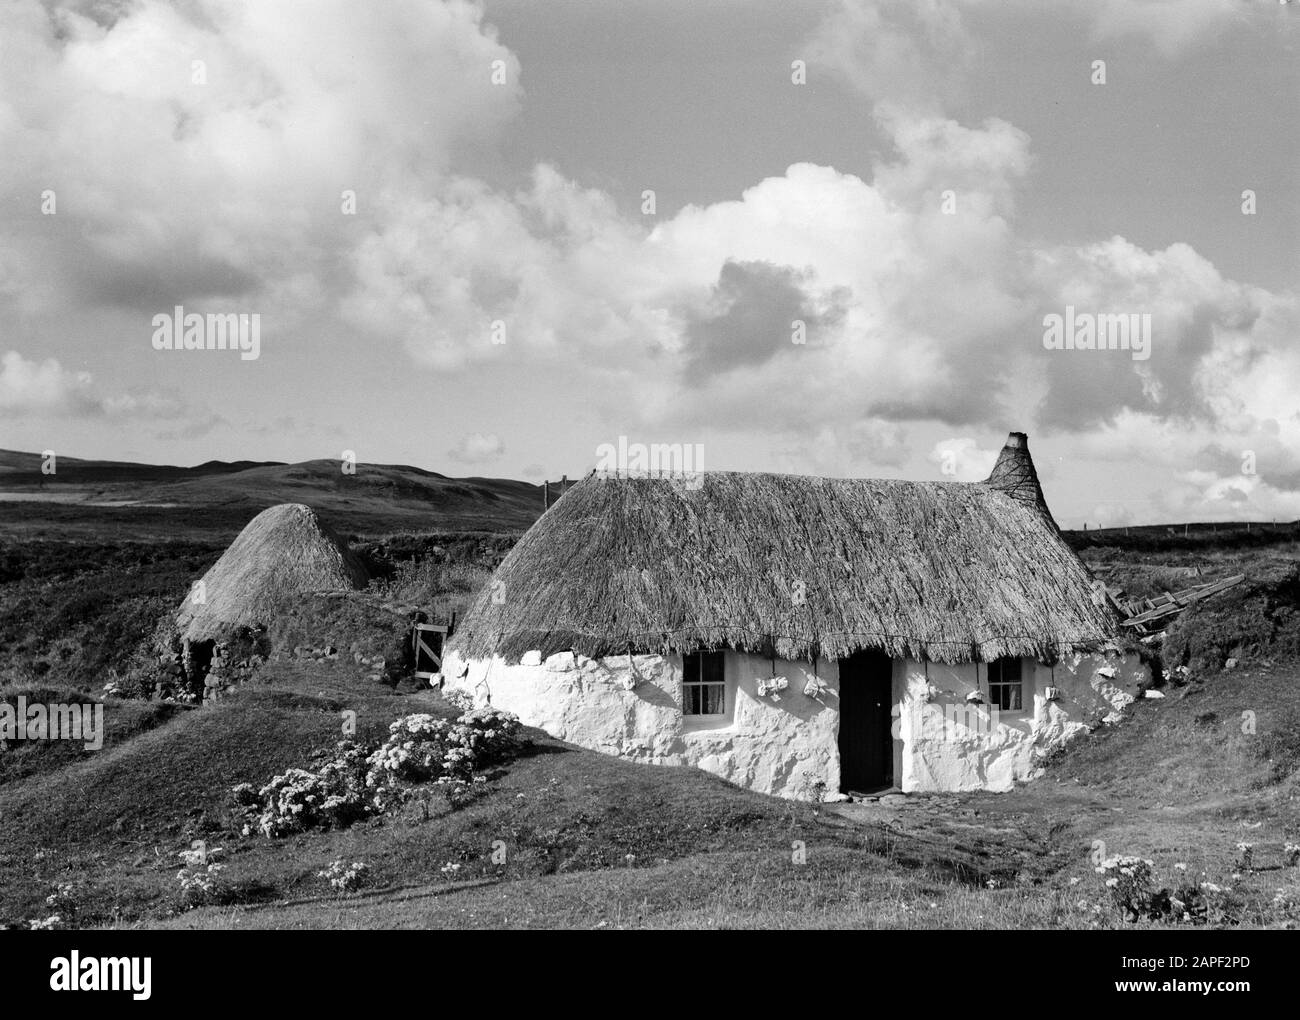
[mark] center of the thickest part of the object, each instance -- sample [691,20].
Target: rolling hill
[126,499]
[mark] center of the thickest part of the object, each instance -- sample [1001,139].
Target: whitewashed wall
[946,744]
[630,706]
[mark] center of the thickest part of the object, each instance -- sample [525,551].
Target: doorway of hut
[866,742]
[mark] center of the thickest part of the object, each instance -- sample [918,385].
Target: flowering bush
[459,697]
[332,794]
[422,749]
[1287,902]
[198,877]
[1131,885]
[422,753]
[1205,903]
[345,877]
[63,899]
[1135,893]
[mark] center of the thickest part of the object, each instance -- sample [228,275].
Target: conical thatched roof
[281,553]
[795,565]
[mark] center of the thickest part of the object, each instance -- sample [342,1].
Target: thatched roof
[282,553]
[791,565]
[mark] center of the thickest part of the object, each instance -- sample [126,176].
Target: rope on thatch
[922,570]
[1014,473]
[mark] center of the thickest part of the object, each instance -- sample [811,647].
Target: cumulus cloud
[477,448]
[196,150]
[758,310]
[30,387]
[961,459]
[890,49]
[919,53]
[922,300]
[1173,26]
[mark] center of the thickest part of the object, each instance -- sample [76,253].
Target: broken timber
[1147,616]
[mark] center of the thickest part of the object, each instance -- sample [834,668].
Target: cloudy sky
[487,238]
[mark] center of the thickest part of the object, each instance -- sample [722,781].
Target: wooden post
[546,494]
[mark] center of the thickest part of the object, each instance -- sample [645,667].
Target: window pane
[712,667]
[704,691]
[1010,670]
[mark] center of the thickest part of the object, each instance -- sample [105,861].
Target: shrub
[344,877]
[1135,894]
[422,753]
[198,877]
[333,795]
[423,748]
[1131,885]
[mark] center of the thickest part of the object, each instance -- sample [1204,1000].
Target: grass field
[563,837]
[593,841]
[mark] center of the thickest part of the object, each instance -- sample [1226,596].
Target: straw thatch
[282,553]
[788,565]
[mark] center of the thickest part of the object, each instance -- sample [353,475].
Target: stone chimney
[1014,474]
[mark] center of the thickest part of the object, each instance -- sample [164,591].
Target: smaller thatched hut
[283,553]
[801,635]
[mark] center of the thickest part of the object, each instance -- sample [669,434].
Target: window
[1006,687]
[704,687]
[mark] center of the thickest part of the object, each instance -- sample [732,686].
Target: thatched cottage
[802,636]
[283,554]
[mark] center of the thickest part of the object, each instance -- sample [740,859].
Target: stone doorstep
[893,797]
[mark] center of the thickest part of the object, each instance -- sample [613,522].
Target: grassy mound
[122,720]
[1258,618]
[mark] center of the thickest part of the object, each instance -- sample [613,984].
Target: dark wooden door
[866,741]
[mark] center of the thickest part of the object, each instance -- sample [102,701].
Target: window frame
[702,684]
[1003,685]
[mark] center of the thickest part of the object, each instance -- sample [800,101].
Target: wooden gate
[427,640]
